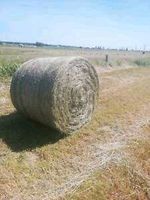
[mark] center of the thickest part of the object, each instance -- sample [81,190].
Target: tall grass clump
[8,69]
[143,62]
[97,61]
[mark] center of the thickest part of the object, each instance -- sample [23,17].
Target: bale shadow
[20,133]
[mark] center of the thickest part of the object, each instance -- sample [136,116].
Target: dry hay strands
[60,92]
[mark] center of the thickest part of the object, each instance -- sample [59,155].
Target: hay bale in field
[59,92]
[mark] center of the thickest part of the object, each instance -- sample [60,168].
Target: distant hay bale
[59,92]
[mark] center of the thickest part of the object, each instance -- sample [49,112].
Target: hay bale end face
[59,92]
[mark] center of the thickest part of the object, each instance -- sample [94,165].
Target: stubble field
[108,159]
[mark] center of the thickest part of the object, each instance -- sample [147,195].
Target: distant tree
[39,44]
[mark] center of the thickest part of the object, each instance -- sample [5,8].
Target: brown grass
[107,159]
[116,182]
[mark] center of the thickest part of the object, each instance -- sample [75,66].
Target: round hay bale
[60,92]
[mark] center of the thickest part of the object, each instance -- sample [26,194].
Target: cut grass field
[12,57]
[108,159]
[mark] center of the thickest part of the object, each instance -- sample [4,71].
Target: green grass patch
[143,62]
[7,70]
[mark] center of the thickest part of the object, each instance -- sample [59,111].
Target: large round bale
[61,92]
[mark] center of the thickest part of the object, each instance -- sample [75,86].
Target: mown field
[108,159]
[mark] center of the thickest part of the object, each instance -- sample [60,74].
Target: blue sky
[109,23]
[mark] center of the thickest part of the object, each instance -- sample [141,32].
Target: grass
[7,70]
[11,57]
[35,161]
[117,182]
[21,134]
[127,180]
[143,62]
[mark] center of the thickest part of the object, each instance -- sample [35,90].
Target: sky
[108,23]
